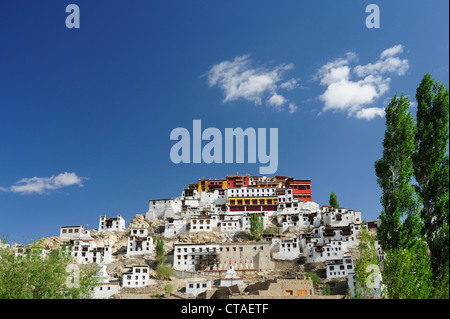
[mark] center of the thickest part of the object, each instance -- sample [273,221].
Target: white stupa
[231,278]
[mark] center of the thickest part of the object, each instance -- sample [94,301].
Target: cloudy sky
[86,113]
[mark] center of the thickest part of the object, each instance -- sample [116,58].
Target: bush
[164,271]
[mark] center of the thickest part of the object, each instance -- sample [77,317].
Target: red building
[237,181]
[301,189]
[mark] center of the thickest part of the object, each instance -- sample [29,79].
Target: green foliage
[168,289]
[326,289]
[394,172]
[36,277]
[333,200]
[367,258]
[160,246]
[256,226]
[431,168]
[314,277]
[407,273]
[164,271]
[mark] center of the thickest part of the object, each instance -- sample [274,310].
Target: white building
[195,286]
[105,289]
[230,225]
[71,232]
[174,227]
[112,224]
[204,223]
[188,256]
[339,268]
[85,251]
[340,216]
[286,249]
[162,208]
[139,242]
[136,276]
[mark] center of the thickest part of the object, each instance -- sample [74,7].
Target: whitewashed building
[162,208]
[112,224]
[139,242]
[85,251]
[188,256]
[71,232]
[340,216]
[174,227]
[204,223]
[136,276]
[286,249]
[230,225]
[195,286]
[339,268]
[105,289]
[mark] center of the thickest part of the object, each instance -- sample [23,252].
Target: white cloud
[240,79]
[395,50]
[370,113]
[292,108]
[40,185]
[342,94]
[289,85]
[276,100]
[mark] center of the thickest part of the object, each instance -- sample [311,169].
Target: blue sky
[86,114]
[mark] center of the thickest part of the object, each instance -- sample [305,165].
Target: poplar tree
[256,226]
[333,200]
[431,169]
[400,219]
[368,259]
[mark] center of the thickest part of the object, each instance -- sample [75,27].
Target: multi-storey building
[85,251]
[113,224]
[139,242]
[71,231]
[174,227]
[192,257]
[301,189]
[136,276]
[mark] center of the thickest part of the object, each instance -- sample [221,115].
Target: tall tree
[333,200]
[368,259]
[407,273]
[256,226]
[431,168]
[400,220]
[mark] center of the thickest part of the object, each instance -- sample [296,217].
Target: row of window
[200,249]
[253,201]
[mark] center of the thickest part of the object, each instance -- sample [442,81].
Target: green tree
[407,272]
[35,277]
[431,169]
[164,271]
[400,219]
[256,226]
[368,259]
[326,289]
[333,200]
[160,246]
